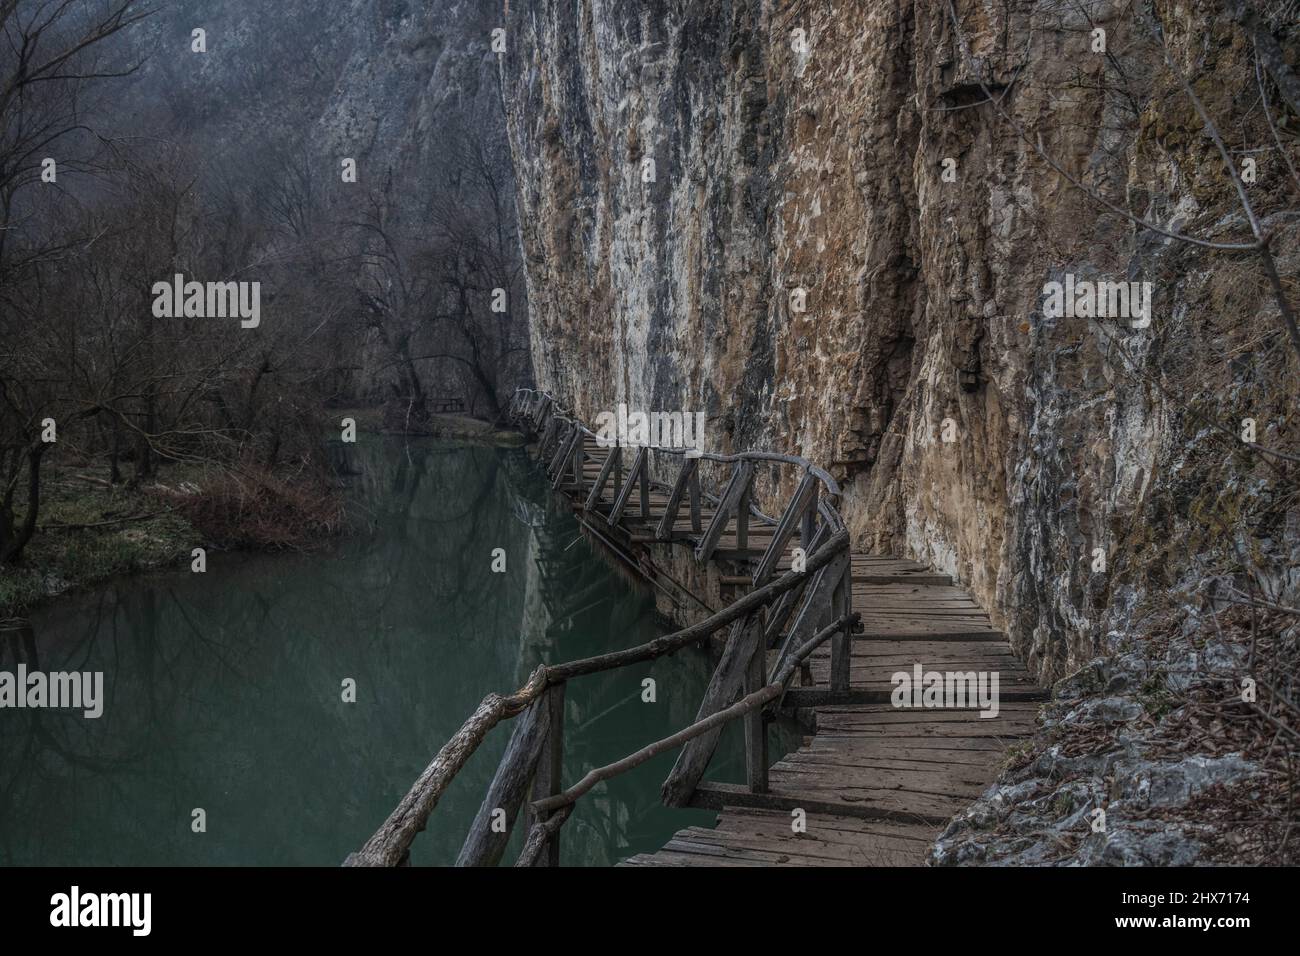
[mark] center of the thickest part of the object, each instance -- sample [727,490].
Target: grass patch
[89,531]
[64,553]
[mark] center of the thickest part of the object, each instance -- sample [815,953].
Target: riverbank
[90,530]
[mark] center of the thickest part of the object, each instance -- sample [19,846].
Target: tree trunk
[14,540]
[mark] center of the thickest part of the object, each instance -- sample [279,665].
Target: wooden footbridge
[813,628]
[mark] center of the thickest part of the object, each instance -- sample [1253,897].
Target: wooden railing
[796,612]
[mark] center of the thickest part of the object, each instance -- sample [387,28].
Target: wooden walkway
[874,780]
[876,783]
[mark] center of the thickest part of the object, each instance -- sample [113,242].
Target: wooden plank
[742,518]
[825,696]
[710,795]
[544,407]
[929,633]
[544,443]
[579,471]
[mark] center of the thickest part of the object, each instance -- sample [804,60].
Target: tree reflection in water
[223,690]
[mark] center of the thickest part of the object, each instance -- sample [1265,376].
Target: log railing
[796,612]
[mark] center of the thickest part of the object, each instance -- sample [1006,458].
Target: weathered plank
[486,842]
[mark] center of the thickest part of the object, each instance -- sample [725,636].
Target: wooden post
[548,779]
[817,596]
[807,525]
[736,488]
[725,683]
[564,457]
[693,488]
[560,459]
[635,473]
[794,512]
[645,487]
[484,844]
[742,524]
[842,642]
[593,499]
[579,456]
[755,726]
[664,532]
[618,470]
[548,433]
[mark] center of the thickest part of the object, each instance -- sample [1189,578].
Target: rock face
[381,81]
[1107,783]
[811,222]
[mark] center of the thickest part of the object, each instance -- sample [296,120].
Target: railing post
[693,489]
[755,725]
[618,470]
[742,524]
[664,532]
[842,642]
[735,490]
[547,779]
[645,487]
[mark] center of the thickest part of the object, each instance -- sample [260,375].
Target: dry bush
[251,507]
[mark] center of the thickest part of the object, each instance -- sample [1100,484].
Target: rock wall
[687,171]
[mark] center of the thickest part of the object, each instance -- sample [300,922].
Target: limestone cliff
[687,171]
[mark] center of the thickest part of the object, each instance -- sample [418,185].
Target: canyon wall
[688,172]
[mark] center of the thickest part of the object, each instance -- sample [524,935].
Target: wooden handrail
[832,487]
[391,842]
[560,804]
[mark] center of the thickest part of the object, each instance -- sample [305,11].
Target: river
[225,690]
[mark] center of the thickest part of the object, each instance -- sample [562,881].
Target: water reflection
[223,690]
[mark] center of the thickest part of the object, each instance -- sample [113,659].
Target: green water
[224,689]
